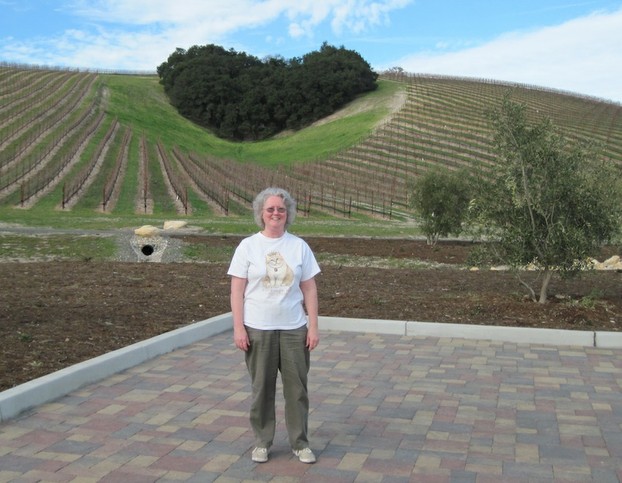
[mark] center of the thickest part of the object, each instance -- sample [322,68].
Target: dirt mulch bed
[56,314]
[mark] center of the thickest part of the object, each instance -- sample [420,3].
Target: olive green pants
[271,352]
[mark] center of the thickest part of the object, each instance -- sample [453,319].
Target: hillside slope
[111,144]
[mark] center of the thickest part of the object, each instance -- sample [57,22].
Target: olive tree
[441,198]
[547,201]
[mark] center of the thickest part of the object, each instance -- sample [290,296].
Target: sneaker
[305,455]
[260,455]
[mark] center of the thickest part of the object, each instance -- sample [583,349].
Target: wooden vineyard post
[309,205]
[145,164]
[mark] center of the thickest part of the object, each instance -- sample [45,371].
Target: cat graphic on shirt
[278,273]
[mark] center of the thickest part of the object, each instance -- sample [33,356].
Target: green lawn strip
[57,247]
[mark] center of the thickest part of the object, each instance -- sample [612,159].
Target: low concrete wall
[519,335]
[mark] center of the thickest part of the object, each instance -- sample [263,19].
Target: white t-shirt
[274,268]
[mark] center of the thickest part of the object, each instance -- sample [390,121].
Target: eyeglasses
[279,209]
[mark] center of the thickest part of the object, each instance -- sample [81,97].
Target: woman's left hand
[313,338]
[309,291]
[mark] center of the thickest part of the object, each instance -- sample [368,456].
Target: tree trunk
[545,285]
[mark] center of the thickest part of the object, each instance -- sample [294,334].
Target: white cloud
[353,16]
[139,34]
[582,55]
[221,17]
[296,31]
[357,16]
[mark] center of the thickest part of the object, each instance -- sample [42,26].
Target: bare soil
[55,314]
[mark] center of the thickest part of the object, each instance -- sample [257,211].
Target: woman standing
[272,282]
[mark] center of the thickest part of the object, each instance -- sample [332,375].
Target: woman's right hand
[240,338]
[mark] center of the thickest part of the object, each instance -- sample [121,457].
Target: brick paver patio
[385,408]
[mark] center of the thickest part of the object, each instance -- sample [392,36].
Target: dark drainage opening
[147,250]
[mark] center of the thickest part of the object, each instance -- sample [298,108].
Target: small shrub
[23,337]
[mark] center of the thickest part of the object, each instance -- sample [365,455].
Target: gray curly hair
[260,200]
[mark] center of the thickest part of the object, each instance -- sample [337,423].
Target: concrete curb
[519,335]
[53,386]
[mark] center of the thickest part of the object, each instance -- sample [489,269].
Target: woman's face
[274,214]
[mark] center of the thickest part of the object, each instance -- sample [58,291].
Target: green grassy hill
[91,150]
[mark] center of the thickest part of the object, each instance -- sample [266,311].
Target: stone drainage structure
[148,243]
[149,248]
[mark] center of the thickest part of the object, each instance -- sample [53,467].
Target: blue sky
[571,45]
